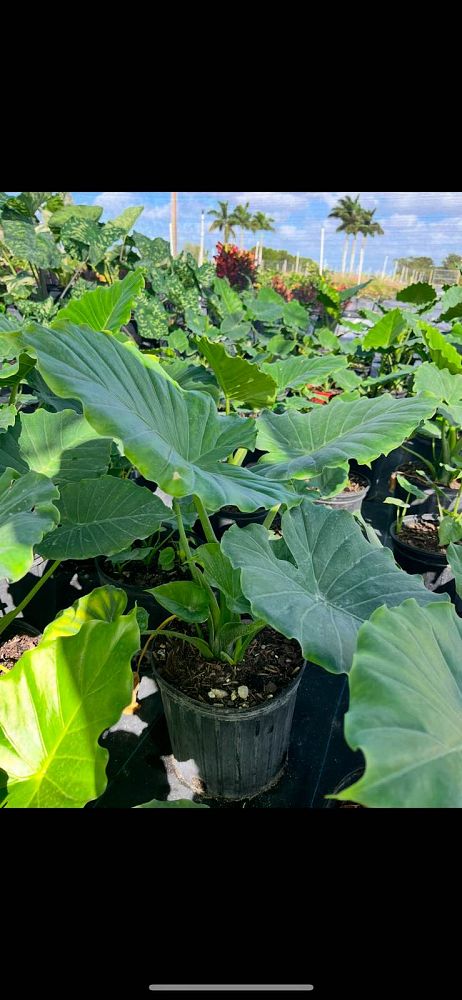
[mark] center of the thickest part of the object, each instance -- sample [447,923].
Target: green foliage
[405,708]
[54,706]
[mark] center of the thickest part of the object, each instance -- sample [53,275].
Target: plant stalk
[204,519]
[10,617]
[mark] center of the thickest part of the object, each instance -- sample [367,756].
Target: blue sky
[415,223]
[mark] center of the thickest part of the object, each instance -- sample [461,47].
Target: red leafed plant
[281,288]
[238,266]
[305,293]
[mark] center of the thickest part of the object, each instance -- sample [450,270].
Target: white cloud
[158,212]
[397,221]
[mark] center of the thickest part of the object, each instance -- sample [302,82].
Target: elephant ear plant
[322,567]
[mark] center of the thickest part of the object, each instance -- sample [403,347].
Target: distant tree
[415,263]
[348,212]
[194,250]
[368,227]
[224,221]
[243,218]
[453,262]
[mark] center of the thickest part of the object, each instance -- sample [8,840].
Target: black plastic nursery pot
[135,595]
[227,516]
[429,504]
[349,500]
[417,560]
[239,753]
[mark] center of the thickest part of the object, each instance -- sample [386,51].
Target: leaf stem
[10,617]
[204,519]
[271,515]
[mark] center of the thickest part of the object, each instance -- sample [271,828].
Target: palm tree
[261,222]
[243,219]
[224,221]
[368,227]
[348,211]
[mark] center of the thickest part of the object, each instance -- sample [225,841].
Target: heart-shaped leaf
[102,517]
[441,351]
[54,706]
[104,308]
[239,379]
[174,438]
[27,513]
[302,445]
[62,446]
[334,581]
[406,708]
[183,598]
[295,372]
[419,294]
[385,331]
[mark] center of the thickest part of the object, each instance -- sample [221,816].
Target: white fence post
[201,248]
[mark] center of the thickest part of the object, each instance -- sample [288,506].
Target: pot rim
[426,554]
[229,714]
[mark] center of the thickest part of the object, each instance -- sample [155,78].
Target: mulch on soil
[271,662]
[422,535]
[12,650]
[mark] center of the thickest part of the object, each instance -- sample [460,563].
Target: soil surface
[12,650]
[422,535]
[270,664]
[355,484]
[409,470]
[137,574]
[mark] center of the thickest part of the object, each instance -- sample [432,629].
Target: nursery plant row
[193,450]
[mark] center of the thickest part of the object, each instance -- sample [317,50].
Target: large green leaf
[183,598]
[104,604]
[10,337]
[334,581]
[175,438]
[7,416]
[385,331]
[454,553]
[294,314]
[267,306]
[194,377]
[298,371]
[17,371]
[239,379]
[25,243]
[406,708]
[27,513]
[445,386]
[151,317]
[230,301]
[62,446]
[302,445]
[104,308]
[102,517]
[451,304]
[91,212]
[153,252]
[54,706]
[421,293]
[126,220]
[441,351]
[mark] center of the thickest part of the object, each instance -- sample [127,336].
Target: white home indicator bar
[231,987]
